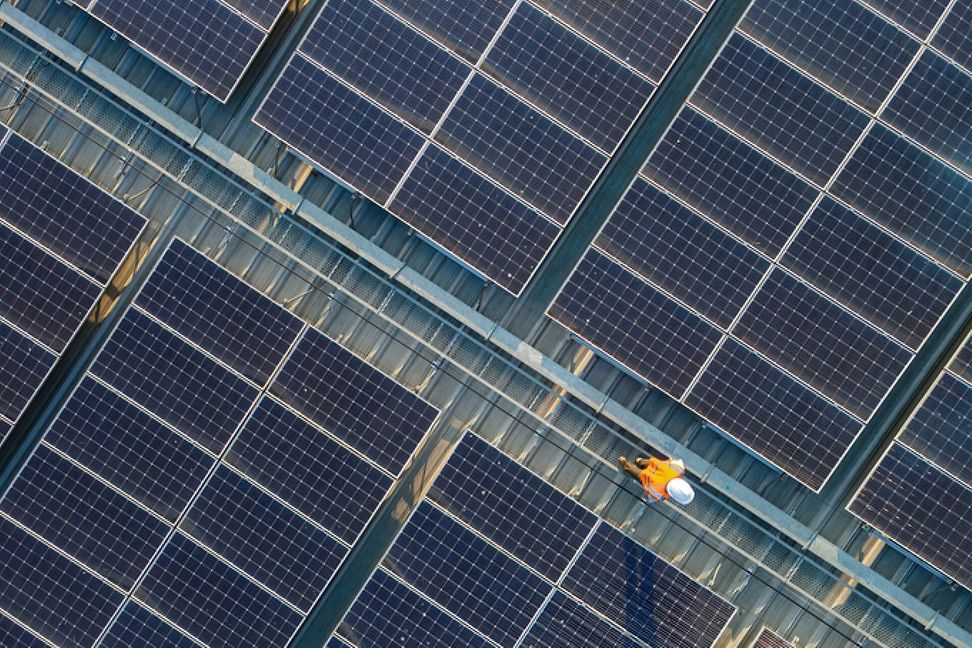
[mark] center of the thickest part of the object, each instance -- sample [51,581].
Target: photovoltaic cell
[768,639]
[263,538]
[512,506]
[871,272]
[954,37]
[174,380]
[933,522]
[567,77]
[520,149]
[214,602]
[470,217]
[653,600]
[353,401]
[917,17]
[934,106]
[89,521]
[775,107]
[465,26]
[136,627]
[262,12]
[218,311]
[773,414]
[962,362]
[912,194]
[46,591]
[818,341]
[941,429]
[730,182]
[682,253]
[39,294]
[385,59]
[625,317]
[337,642]
[564,623]
[389,613]
[466,575]
[14,636]
[839,42]
[63,211]
[329,123]
[23,366]
[312,472]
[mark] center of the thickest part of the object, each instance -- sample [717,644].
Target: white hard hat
[678,465]
[680,490]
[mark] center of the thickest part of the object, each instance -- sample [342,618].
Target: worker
[661,478]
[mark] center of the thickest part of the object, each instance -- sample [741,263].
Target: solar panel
[337,642]
[564,622]
[137,626]
[941,429]
[917,17]
[769,639]
[955,34]
[645,595]
[23,366]
[12,634]
[962,362]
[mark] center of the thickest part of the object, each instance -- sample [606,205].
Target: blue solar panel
[682,253]
[79,514]
[465,26]
[23,366]
[389,613]
[466,575]
[337,642]
[565,623]
[912,194]
[307,468]
[263,538]
[643,329]
[954,37]
[13,635]
[769,103]
[213,601]
[51,594]
[385,59]
[519,148]
[219,312]
[941,429]
[871,272]
[174,380]
[262,12]
[63,211]
[136,627]
[962,362]
[773,414]
[730,182]
[512,506]
[568,78]
[40,295]
[128,448]
[917,17]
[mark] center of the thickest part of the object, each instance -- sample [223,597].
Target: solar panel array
[61,240]
[206,478]
[209,43]
[797,233]
[769,639]
[920,493]
[481,124]
[495,555]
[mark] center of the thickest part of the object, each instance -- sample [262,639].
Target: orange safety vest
[655,477]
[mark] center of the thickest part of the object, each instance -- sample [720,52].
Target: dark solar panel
[954,37]
[50,593]
[466,26]
[730,182]
[354,401]
[307,468]
[871,272]
[466,575]
[262,12]
[206,42]
[922,509]
[136,627]
[682,253]
[13,635]
[64,212]
[644,594]
[213,601]
[773,414]
[23,366]
[647,34]
[839,42]
[389,613]
[625,317]
[916,16]
[941,429]
[263,538]
[519,148]
[567,77]
[219,312]
[174,380]
[385,59]
[337,642]
[912,194]
[818,341]
[79,514]
[962,362]
[338,129]
[512,506]
[934,106]
[470,217]
[768,639]
[564,623]
[783,112]
[40,295]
